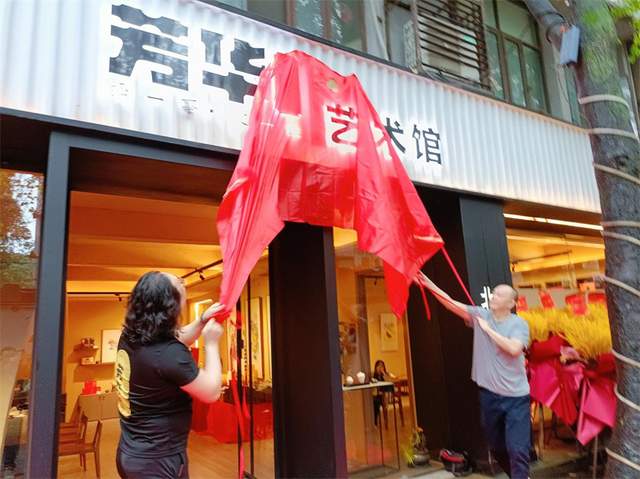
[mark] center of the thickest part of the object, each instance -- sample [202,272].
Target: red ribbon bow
[598,401]
[552,383]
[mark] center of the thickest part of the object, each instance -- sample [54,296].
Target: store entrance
[126,217]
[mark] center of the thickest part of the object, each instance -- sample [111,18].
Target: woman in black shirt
[380,373]
[156,377]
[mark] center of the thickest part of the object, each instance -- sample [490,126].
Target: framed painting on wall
[256,337]
[109,345]
[388,332]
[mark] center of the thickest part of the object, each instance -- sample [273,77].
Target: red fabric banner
[316,152]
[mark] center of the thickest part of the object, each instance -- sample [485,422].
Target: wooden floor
[207,457]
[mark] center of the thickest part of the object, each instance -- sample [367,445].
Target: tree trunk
[597,74]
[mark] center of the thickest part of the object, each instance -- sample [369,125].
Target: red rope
[239,417]
[238,407]
[424,300]
[455,272]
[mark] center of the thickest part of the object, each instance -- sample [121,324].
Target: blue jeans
[507,427]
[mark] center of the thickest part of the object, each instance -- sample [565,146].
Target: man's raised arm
[456,307]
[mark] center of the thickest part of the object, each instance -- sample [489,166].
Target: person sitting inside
[380,373]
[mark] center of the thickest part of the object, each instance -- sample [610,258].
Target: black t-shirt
[155,414]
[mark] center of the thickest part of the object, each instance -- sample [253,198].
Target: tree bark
[597,74]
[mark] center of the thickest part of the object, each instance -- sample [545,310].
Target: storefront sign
[186,70]
[218,74]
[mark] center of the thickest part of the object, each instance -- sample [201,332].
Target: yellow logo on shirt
[123,374]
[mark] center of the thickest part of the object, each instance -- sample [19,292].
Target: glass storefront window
[105,259]
[21,198]
[557,279]
[548,269]
[374,348]
[516,83]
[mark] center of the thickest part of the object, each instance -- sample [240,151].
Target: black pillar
[307,392]
[44,402]
[441,349]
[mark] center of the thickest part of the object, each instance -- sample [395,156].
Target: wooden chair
[74,422]
[73,431]
[82,448]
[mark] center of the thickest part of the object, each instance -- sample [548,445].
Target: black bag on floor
[456,463]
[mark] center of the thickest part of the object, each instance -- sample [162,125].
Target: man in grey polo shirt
[499,341]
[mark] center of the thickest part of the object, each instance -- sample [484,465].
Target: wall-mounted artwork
[256,337]
[388,332]
[109,345]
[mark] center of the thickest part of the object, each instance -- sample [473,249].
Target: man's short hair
[514,292]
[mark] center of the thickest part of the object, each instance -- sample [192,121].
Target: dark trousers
[175,466]
[507,427]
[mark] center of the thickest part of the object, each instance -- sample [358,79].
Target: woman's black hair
[375,369]
[152,310]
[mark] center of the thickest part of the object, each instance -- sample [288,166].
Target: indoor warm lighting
[553,240]
[552,221]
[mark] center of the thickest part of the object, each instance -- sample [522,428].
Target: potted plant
[416,452]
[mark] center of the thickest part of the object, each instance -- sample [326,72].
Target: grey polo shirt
[493,368]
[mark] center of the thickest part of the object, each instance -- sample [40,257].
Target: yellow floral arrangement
[589,334]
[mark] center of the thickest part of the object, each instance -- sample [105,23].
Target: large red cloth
[316,152]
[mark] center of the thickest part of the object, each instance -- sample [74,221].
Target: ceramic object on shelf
[361,377]
[349,380]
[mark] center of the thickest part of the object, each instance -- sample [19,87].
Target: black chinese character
[136,17]
[235,85]
[392,130]
[211,42]
[431,141]
[347,124]
[133,41]
[242,53]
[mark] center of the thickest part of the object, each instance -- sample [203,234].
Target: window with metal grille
[450,38]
